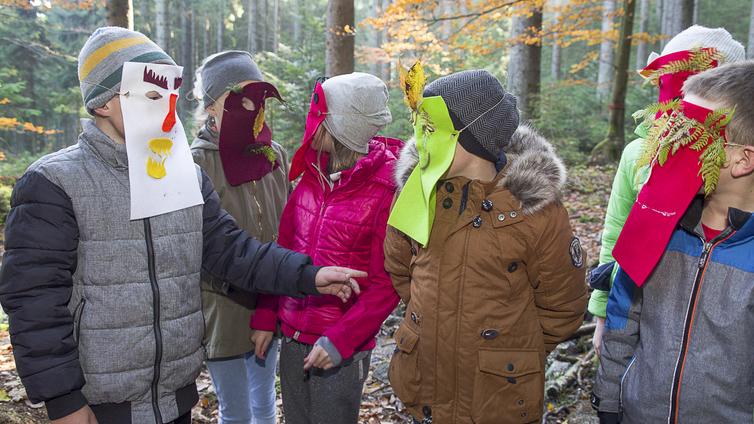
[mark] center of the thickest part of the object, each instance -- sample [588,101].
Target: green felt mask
[436,138]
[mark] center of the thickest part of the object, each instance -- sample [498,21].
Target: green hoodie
[626,185]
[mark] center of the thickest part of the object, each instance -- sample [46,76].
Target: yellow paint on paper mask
[161,147]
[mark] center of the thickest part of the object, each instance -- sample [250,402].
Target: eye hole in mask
[153,95]
[248,104]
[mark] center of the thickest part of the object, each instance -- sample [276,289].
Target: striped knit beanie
[478,102]
[101,62]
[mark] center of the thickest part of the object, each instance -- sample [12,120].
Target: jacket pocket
[404,372]
[508,387]
[77,314]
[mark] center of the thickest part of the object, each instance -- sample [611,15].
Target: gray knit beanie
[356,109]
[101,62]
[477,100]
[221,71]
[697,36]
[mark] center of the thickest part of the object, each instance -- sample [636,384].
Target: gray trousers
[318,396]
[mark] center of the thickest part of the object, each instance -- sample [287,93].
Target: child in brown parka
[500,280]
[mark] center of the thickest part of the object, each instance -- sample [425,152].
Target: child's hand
[82,416]
[338,281]
[261,340]
[318,358]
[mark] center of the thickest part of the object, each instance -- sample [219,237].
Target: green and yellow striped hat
[101,62]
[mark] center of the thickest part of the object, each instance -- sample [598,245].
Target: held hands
[82,416]
[318,358]
[338,281]
[261,340]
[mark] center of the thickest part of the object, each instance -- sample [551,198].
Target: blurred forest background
[562,58]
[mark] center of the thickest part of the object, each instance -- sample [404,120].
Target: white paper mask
[161,170]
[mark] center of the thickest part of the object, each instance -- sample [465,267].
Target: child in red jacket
[337,214]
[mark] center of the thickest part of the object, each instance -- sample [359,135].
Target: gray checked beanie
[101,62]
[221,71]
[356,109]
[477,99]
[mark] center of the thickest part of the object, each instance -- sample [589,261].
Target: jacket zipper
[79,314]
[156,322]
[622,382]
[709,246]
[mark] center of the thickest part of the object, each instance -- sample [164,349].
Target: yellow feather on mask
[259,122]
[413,81]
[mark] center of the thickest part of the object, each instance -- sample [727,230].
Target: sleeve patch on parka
[577,255]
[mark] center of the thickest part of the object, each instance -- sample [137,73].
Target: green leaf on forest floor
[4,396]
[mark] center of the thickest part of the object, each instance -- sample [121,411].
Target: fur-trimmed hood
[535,175]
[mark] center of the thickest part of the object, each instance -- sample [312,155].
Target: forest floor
[570,368]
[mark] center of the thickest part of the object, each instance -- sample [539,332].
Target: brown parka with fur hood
[499,285]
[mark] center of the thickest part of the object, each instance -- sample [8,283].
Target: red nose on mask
[169,121]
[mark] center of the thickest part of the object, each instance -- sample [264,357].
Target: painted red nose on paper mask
[317,114]
[245,139]
[169,122]
[659,207]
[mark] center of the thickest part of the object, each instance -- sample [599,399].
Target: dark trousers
[319,396]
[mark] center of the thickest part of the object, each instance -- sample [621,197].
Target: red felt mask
[245,139]
[660,205]
[317,114]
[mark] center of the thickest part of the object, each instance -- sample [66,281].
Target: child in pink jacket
[337,214]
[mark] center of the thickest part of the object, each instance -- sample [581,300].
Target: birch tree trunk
[641,48]
[606,68]
[161,24]
[220,25]
[610,148]
[251,33]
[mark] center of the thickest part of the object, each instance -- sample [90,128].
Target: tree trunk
[339,53]
[677,16]
[556,60]
[251,28]
[161,24]
[264,10]
[610,148]
[220,25]
[607,52]
[386,67]
[641,48]
[144,19]
[750,50]
[686,14]
[275,21]
[187,57]
[696,12]
[525,64]
[296,18]
[375,66]
[120,13]
[205,38]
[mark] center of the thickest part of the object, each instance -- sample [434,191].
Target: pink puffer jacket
[343,225]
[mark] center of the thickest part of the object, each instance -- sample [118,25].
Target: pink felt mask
[317,114]
[245,139]
[659,207]
[671,84]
